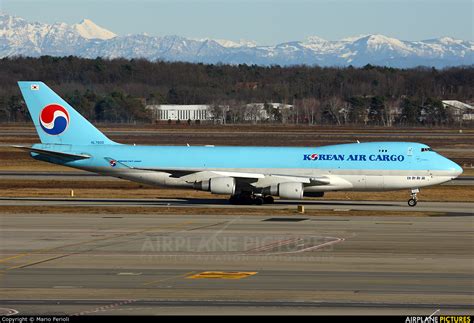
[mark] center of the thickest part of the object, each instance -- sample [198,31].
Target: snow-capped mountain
[86,39]
[90,30]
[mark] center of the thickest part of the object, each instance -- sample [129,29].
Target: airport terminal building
[461,111]
[252,112]
[176,112]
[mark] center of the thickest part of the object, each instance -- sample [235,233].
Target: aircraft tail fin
[57,122]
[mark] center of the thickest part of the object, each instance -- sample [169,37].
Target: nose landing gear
[413,200]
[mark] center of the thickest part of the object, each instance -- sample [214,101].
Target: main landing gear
[251,198]
[413,200]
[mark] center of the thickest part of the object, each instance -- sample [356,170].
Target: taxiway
[163,264]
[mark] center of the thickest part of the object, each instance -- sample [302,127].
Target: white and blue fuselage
[360,166]
[287,172]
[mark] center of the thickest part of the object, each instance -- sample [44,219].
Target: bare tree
[312,109]
[391,112]
[334,106]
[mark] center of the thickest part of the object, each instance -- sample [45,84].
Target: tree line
[117,90]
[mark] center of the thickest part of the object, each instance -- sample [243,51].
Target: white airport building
[461,111]
[176,112]
[252,112]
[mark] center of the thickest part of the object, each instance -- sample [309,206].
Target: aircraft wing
[198,175]
[191,176]
[309,180]
[256,179]
[176,173]
[188,174]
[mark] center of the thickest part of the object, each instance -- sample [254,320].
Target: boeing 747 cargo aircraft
[247,174]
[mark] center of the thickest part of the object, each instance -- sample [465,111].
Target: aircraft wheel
[412,202]
[268,199]
[258,201]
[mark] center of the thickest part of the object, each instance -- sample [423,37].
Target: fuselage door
[410,151]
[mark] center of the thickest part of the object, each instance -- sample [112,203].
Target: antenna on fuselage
[358,141]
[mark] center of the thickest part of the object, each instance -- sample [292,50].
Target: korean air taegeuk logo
[54,119]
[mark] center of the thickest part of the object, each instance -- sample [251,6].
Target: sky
[264,21]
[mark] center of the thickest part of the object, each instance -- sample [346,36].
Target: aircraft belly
[395,182]
[374,182]
[153,178]
[313,180]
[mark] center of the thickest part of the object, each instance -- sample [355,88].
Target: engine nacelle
[314,194]
[218,185]
[289,191]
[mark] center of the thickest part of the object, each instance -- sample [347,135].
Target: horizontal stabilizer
[53,153]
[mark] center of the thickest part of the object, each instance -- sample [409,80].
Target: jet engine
[217,185]
[289,191]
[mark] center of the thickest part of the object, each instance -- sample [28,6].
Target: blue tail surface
[56,122]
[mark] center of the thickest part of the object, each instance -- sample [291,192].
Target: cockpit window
[426,149]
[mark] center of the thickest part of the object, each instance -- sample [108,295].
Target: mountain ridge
[19,37]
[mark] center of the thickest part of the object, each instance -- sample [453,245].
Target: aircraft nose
[455,169]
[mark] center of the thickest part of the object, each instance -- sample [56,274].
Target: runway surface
[163,264]
[449,208]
